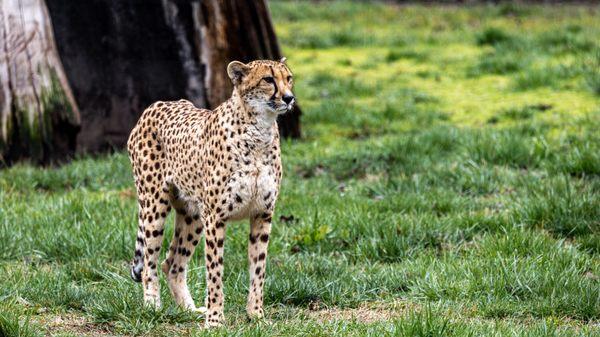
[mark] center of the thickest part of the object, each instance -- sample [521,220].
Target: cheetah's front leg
[260,228]
[214,240]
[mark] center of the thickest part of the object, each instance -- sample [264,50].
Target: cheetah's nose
[288,98]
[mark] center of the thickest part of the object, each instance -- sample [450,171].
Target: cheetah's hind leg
[153,210]
[137,264]
[187,235]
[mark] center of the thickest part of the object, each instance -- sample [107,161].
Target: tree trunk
[137,52]
[39,118]
[121,56]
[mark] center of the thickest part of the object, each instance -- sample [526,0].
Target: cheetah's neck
[260,126]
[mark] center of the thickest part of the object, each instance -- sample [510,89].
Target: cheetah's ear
[236,71]
[283,59]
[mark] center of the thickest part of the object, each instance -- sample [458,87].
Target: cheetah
[211,167]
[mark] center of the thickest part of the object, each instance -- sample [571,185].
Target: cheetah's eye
[269,79]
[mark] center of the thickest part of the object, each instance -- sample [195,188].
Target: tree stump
[39,118]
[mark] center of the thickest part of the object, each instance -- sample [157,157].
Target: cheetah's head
[263,85]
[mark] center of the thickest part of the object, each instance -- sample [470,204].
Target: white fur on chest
[256,187]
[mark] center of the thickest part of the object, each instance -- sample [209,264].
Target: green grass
[448,184]
[591,69]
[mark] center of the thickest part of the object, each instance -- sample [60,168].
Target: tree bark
[138,52]
[121,56]
[39,118]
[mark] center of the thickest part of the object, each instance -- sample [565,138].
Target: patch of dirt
[71,323]
[127,194]
[365,313]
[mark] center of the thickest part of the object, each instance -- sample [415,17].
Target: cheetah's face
[263,85]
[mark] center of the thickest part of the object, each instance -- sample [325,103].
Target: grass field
[448,185]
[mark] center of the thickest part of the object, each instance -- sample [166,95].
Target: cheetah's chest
[253,191]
